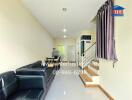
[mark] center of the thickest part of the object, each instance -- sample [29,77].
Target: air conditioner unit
[86,37]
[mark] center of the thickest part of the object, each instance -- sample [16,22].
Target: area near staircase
[89,65]
[89,75]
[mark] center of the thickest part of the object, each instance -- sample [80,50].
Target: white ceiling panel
[76,19]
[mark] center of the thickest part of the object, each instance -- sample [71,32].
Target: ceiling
[76,19]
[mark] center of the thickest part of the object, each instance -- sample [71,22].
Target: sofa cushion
[49,73]
[0,83]
[2,97]
[19,95]
[33,94]
[10,83]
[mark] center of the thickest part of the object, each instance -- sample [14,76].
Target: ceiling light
[64,93]
[65,36]
[64,30]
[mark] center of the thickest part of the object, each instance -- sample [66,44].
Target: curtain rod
[100,8]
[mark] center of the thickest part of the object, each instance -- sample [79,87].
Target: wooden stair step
[85,78]
[95,60]
[91,72]
[94,66]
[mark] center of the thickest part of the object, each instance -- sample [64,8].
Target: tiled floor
[70,87]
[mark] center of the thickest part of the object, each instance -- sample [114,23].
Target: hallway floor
[70,87]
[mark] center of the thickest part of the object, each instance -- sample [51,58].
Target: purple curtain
[105,32]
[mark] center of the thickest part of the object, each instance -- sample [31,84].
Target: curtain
[105,32]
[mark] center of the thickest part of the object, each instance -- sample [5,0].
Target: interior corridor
[37,35]
[70,87]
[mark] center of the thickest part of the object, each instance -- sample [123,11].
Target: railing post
[87,56]
[82,62]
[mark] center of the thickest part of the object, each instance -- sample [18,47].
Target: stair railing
[88,55]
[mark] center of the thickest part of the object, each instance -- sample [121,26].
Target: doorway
[67,53]
[71,54]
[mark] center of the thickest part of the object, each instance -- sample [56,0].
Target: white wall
[66,41]
[118,81]
[22,39]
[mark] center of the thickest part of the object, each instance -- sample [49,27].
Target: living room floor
[70,87]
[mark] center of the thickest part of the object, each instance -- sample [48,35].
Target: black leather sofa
[37,64]
[30,82]
[1,91]
[22,88]
[36,68]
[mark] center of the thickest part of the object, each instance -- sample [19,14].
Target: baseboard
[105,92]
[68,61]
[64,61]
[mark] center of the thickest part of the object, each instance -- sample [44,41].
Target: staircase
[89,67]
[89,74]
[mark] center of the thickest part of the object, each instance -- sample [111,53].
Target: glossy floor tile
[70,87]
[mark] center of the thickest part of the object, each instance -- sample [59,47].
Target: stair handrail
[88,48]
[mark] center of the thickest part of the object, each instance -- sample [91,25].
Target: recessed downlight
[64,30]
[64,93]
[65,36]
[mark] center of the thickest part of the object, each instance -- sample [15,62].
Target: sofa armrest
[2,97]
[31,71]
[31,78]
[37,64]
